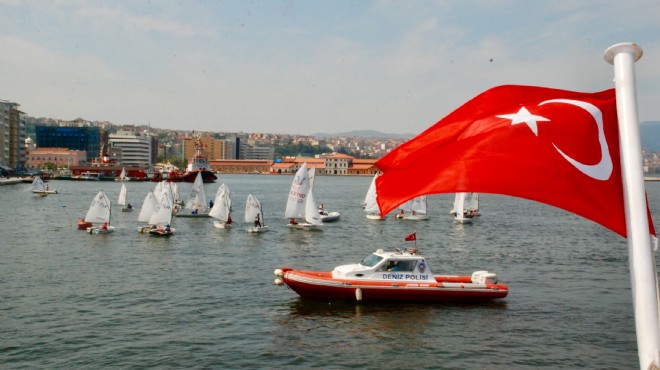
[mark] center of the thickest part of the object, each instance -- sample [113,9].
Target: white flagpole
[641,259]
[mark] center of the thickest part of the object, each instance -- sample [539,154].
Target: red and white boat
[198,164]
[393,276]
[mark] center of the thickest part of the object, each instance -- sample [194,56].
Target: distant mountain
[367,134]
[650,133]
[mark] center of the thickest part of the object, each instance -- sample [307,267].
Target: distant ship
[198,164]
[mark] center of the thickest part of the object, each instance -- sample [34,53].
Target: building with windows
[71,137]
[131,149]
[212,148]
[60,157]
[12,135]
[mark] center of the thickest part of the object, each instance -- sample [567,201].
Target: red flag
[411,237]
[554,146]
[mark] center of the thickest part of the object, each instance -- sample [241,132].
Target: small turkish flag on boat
[411,237]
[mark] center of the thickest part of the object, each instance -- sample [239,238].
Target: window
[371,260]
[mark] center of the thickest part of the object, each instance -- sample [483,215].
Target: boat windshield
[371,260]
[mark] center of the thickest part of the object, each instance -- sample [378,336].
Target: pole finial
[624,47]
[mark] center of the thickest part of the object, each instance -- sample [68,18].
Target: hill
[367,134]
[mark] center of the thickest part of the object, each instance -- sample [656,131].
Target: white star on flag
[523,116]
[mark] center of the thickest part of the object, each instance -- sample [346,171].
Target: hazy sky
[305,67]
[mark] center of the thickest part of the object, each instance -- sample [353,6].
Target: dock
[15,180]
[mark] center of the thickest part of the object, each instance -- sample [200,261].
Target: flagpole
[641,259]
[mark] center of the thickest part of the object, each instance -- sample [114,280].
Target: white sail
[370,200]
[253,209]
[407,206]
[149,207]
[122,196]
[197,198]
[222,204]
[472,202]
[312,174]
[163,214]
[457,198]
[176,198]
[459,206]
[122,175]
[311,209]
[37,184]
[418,205]
[99,210]
[295,206]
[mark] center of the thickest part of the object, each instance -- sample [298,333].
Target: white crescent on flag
[599,171]
[603,169]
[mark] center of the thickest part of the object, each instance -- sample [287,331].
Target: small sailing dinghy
[418,209]
[125,206]
[301,208]
[325,215]
[99,212]
[123,175]
[196,205]
[149,207]
[221,210]
[41,189]
[254,213]
[461,215]
[162,219]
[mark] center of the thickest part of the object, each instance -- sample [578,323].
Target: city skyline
[305,68]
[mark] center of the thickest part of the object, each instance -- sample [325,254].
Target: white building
[131,149]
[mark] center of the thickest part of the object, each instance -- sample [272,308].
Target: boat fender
[278,282]
[358,295]
[278,272]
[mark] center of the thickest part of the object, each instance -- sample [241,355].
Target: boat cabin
[401,265]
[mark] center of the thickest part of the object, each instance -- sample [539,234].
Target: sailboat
[461,216]
[162,218]
[123,176]
[418,209]
[470,204]
[99,211]
[325,215]
[301,203]
[126,207]
[196,204]
[254,213]
[221,210]
[149,207]
[404,209]
[371,209]
[41,189]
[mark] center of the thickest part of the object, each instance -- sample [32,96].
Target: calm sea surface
[205,298]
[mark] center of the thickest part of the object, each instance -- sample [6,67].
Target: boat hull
[304,226]
[189,176]
[321,285]
[257,229]
[330,217]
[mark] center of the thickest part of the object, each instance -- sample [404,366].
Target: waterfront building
[213,148]
[12,135]
[83,137]
[240,166]
[61,157]
[131,149]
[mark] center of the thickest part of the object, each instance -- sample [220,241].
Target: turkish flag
[411,237]
[553,146]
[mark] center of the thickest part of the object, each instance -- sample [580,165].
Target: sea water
[205,297]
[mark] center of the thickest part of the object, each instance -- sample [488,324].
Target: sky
[306,67]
